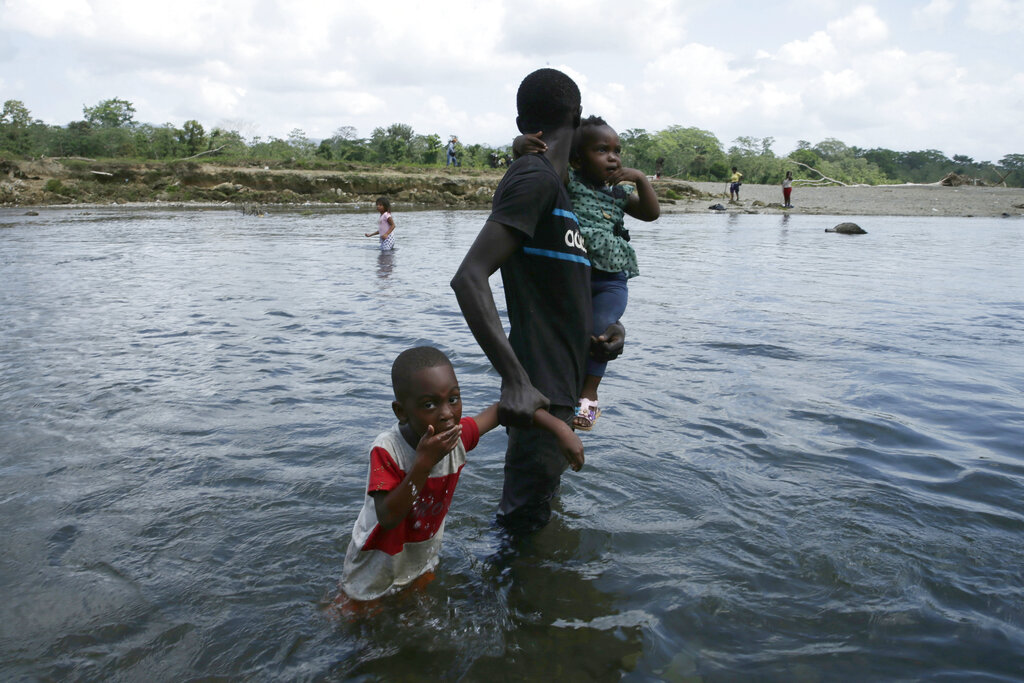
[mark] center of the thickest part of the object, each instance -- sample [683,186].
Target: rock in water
[717,207]
[848,229]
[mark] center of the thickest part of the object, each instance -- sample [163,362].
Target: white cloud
[861,28]
[541,28]
[934,14]
[996,16]
[818,49]
[48,19]
[795,70]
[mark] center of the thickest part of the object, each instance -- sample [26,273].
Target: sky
[901,74]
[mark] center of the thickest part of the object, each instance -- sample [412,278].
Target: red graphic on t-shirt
[431,506]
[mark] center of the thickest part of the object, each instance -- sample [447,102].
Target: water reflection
[385,264]
[528,610]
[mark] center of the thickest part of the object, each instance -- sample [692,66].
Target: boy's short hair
[546,98]
[411,361]
[385,202]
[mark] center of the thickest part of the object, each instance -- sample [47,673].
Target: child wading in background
[787,190]
[385,225]
[599,203]
[414,468]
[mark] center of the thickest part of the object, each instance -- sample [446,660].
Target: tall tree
[393,144]
[112,113]
[192,136]
[15,113]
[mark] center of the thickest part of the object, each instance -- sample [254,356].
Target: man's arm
[493,246]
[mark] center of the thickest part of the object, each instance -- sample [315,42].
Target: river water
[810,465]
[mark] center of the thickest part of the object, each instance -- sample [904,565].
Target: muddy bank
[80,181]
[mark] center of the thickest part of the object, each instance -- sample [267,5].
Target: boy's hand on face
[436,446]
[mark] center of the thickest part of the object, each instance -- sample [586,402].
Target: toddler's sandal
[586,415]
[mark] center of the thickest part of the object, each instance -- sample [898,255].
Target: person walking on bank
[450,158]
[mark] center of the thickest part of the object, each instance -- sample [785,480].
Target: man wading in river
[533,237]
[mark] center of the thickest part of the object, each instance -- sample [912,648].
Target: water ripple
[808,467]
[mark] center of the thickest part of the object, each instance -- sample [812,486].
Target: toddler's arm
[530,143]
[643,204]
[393,506]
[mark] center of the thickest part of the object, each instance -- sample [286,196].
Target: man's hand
[518,404]
[608,346]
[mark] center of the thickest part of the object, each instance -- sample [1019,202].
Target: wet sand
[878,200]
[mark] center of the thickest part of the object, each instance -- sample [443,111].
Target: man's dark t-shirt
[547,281]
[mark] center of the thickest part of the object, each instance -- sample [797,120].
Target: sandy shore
[879,200]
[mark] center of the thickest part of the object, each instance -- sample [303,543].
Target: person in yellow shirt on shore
[734,185]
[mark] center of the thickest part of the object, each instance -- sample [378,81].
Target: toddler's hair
[411,361]
[591,121]
[385,202]
[546,97]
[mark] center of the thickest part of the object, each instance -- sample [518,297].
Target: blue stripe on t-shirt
[566,214]
[557,254]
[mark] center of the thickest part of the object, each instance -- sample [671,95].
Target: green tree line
[109,130]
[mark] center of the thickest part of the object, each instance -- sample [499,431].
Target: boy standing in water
[414,468]
[532,235]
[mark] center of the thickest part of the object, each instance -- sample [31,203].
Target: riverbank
[84,182]
[877,200]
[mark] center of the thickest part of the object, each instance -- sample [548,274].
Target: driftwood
[824,180]
[1002,176]
[102,173]
[209,151]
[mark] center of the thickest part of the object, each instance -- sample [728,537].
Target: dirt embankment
[84,181]
[70,181]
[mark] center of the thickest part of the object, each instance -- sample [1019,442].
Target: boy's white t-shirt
[379,560]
